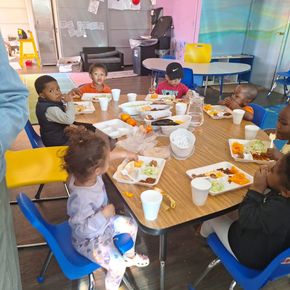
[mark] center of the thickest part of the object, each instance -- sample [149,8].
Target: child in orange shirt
[98,73]
[243,95]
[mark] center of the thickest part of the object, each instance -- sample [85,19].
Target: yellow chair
[198,53]
[27,50]
[36,166]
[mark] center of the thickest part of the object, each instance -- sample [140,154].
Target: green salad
[256,146]
[217,186]
[151,171]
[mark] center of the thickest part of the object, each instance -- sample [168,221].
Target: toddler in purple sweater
[92,219]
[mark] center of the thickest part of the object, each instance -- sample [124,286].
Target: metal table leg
[162,258]
[221,86]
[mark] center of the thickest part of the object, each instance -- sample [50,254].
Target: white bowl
[133,108]
[167,130]
[182,149]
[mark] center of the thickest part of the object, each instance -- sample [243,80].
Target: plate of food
[170,124]
[217,111]
[114,128]
[160,99]
[94,97]
[146,171]
[84,107]
[249,150]
[134,108]
[224,176]
[154,112]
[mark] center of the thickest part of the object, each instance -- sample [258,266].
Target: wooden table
[211,147]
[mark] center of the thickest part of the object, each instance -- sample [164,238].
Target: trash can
[142,49]
[155,45]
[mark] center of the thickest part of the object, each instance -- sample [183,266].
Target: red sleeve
[184,89]
[84,89]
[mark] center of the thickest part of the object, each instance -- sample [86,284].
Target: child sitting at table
[172,84]
[55,111]
[262,230]
[91,217]
[98,73]
[282,133]
[243,95]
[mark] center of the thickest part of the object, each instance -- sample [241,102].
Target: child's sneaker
[138,260]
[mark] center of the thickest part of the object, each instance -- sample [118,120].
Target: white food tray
[114,128]
[164,98]
[220,110]
[118,176]
[84,108]
[94,97]
[225,165]
[248,157]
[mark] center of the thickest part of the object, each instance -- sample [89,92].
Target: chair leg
[40,278]
[91,282]
[205,87]
[66,189]
[210,266]
[37,195]
[31,245]
[233,285]
[127,282]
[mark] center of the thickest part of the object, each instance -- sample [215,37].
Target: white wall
[13,15]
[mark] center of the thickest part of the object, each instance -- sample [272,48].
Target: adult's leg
[9,266]
[220,226]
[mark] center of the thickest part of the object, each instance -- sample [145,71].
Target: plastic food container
[182,142]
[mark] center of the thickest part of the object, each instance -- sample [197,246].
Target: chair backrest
[34,138]
[59,240]
[198,52]
[167,56]
[259,115]
[249,278]
[187,78]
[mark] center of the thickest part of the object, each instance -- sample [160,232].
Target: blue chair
[188,78]
[36,142]
[58,237]
[247,278]
[282,78]
[259,115]
[34,138]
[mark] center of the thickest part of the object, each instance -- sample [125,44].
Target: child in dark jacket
[262,230]
[55,111]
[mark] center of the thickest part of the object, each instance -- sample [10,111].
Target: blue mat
[272,119]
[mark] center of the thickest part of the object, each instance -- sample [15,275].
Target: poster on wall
[94,6]
[123,5]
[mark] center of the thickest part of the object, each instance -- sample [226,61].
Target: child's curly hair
[86,152]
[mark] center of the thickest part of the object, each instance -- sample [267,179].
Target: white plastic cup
[199,189]
[104,102]
[151,201]
[180,108]
[251,132]
[238,115]
[132,97]
[116,94]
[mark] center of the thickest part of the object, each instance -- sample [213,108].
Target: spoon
[272,137]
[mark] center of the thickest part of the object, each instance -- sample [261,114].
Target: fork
[272,137]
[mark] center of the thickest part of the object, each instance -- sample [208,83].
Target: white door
[265,38]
